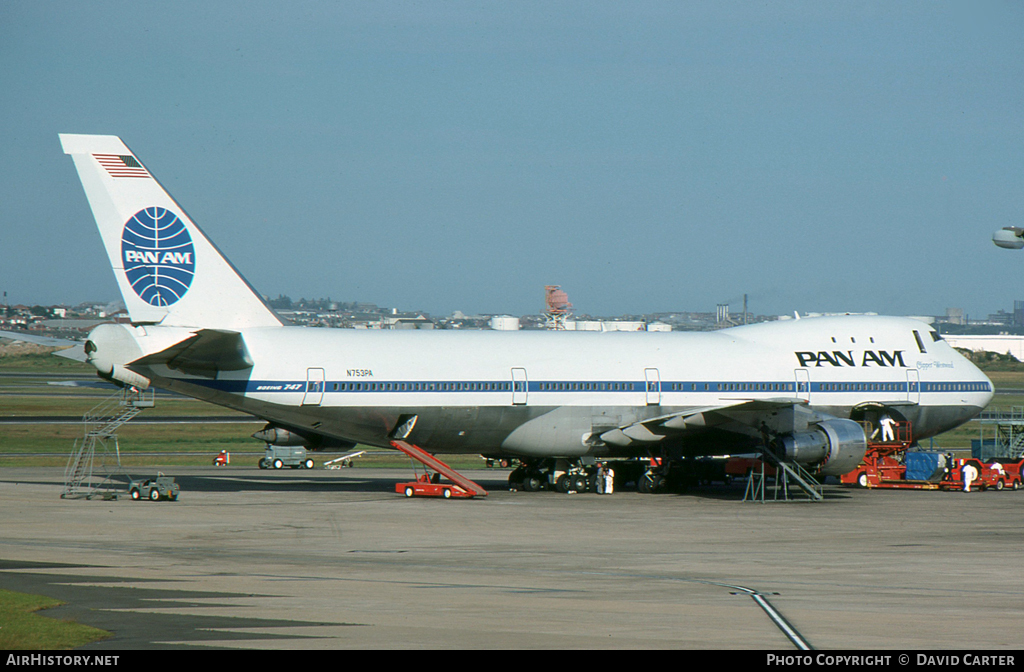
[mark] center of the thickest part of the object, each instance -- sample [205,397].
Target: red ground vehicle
[740,467]
[431,486]
[989,477]
[222,459]
[883,465]
[1012,469]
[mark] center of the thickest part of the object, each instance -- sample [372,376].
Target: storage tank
[505,323]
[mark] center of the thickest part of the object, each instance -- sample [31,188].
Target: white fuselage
[546,393]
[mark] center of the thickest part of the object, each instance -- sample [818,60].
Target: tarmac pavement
[299,559]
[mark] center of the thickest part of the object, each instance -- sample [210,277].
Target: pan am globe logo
[158,256]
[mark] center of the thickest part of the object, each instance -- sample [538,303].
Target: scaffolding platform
[95,460]
[1006,434]
[792,483]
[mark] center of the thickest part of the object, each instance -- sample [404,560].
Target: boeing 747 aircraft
[798,386]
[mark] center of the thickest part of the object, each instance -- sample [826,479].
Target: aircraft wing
[203,354]
[778,414]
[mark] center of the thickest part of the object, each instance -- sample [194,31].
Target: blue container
[925,466]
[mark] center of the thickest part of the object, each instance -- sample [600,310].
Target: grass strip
[21,628]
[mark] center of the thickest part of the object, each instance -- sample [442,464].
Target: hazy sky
[647,156]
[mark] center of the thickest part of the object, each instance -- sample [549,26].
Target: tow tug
[989,477]
[162,487]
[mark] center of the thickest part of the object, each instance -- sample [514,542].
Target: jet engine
[279,436]
[835,446]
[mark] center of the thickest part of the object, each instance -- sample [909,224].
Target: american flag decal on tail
[121,166]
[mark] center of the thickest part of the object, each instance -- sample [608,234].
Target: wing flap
[654,430]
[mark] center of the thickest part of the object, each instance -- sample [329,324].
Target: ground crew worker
[970,473]
[887,424]
[609,480]
[602,479]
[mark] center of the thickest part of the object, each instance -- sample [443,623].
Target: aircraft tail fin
[168,271]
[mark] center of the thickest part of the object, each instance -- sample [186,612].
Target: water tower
[557,307]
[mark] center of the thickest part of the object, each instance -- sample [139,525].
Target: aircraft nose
[989,388]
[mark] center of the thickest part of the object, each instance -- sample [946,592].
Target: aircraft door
[803,384]
[519,386]
[314,387]
[653,386]
[913,386]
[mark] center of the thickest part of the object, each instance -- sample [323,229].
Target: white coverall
[970,473]
[887,424]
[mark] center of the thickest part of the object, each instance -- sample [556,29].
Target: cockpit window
[936,336]
[920,343]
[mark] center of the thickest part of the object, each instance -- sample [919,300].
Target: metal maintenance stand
[792,482]
[101,425]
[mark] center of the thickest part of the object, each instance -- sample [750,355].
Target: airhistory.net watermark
[60,661]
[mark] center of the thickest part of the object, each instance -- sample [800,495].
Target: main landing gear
[650,475]
[563,476]
[566,476]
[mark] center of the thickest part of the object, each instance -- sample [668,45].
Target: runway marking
[773,613]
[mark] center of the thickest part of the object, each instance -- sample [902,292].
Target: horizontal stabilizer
[71,349]
[37,340]
[75,352]
[204,354]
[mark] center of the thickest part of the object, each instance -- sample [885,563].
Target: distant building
[955,316]
[1003,344]
[407,322]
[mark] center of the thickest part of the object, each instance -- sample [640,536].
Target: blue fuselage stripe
[419,387]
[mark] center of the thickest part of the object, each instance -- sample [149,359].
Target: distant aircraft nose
[1010,238]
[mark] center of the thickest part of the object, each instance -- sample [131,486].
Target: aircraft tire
[531,483]
[579,483]
[563,484]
